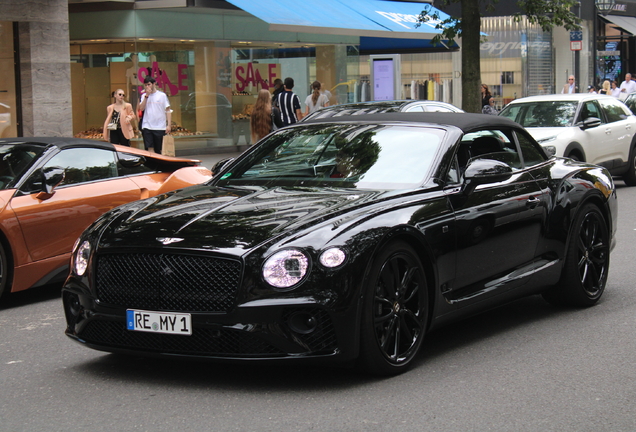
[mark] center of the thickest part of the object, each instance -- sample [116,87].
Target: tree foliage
[545,13]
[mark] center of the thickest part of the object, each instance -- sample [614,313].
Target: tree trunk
[471,67]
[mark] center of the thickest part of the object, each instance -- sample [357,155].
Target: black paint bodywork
[480,245]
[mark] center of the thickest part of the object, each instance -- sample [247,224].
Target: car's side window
[590,109]
[613,110]
[530,151]
[489,144]
[130,164]
[84,164]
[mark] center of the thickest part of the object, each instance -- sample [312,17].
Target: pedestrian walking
[570,87]
[289,104]
[157,115]
[278,87]
[485,95]
[607,88]
[118,128]
[264,118]
[316,100]
[628,86]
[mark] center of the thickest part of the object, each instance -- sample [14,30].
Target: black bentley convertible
[345,239]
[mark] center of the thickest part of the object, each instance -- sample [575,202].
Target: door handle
[608,131]
[533,202]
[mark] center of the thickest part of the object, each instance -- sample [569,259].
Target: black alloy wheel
[587,261]
[395,311]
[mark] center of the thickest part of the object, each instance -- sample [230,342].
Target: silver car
[376,107]
[586,127]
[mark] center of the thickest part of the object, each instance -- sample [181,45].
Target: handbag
[111,126]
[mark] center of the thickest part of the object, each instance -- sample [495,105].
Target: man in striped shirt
[289,104]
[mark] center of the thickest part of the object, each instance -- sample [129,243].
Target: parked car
[51,189]
[586,127]
[344,239]
[630,101]
[376,107]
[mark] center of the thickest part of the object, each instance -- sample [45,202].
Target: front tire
[395,311]
[5,285]
[630,176]
[586,266]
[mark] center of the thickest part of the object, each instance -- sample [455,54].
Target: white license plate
[159,322]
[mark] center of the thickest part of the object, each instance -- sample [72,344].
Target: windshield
[542,114]
[341,155]
[15,160]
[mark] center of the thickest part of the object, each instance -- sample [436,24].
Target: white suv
[587,127]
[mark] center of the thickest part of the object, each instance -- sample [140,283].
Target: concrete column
[331,70]
[45,73]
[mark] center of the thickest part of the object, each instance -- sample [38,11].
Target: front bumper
[297,329]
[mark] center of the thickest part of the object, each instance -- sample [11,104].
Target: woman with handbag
[264,117]
[118,128]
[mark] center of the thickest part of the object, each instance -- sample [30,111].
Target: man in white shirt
[157,118]
[570,87]
[628,86]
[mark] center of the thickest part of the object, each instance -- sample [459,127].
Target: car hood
[230,220]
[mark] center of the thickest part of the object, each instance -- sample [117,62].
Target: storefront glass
[516,59]
[212,86]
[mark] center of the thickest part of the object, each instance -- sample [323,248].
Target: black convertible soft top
[465,121]
[61,142]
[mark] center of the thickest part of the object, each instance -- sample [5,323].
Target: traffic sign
[576,45]
[576,35]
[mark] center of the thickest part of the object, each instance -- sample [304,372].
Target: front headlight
[332,257]
[285,268]
[80,262]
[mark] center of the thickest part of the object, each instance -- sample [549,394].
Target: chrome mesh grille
[166,282]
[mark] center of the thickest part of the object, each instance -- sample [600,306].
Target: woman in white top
[316,100]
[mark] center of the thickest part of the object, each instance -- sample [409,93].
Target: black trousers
[153,139]
[117,137]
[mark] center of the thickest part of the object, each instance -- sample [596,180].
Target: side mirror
[589,122]
[482,171]
[51,178]
[218,167]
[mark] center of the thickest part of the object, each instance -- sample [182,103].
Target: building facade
[60,60]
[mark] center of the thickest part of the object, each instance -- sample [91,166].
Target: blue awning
[373,18]
[377,45]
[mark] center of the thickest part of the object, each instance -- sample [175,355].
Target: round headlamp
[286,268]
[82,254]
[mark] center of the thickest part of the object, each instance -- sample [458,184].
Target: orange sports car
[51,189]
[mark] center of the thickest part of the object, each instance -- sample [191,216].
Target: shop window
[507,77]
